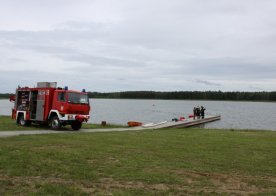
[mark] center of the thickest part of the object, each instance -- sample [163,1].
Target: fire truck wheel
[21,121]
[55,123]
[76,125]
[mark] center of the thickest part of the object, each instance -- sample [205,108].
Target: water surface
[240,115]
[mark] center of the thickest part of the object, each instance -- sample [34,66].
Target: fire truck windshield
[78,98]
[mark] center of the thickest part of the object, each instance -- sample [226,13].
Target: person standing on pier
[202,112]
[198,112]
[194,110]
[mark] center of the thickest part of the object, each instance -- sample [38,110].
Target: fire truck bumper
[78,117]
[82,118]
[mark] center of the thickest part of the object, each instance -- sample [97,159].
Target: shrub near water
[169,161]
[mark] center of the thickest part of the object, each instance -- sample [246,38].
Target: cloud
[151,45]
[207,83]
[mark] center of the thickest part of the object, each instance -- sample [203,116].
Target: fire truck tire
[76,125]
[55,123]
[21,121]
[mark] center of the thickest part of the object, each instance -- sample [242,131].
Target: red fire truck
[47,104]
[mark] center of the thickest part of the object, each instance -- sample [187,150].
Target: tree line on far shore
[5,95]
[182,95]
[189,95]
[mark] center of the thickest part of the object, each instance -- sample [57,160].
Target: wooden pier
[180,124]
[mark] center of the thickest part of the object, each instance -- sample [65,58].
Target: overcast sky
[119,45]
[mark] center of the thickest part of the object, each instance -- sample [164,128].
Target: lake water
[240,115]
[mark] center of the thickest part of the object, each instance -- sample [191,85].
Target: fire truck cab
[46,104]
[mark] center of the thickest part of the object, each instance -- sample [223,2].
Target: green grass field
[7,124]
[155,162]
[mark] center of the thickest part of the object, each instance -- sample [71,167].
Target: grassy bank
[7,124]
[159,162]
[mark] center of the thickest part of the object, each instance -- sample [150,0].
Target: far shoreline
[261,101]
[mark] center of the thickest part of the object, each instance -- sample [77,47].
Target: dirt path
[40,132]
[165,124]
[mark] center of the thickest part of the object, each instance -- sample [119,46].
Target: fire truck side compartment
[40,105]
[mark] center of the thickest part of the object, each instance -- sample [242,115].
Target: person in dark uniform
[198,112]
[202,112]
